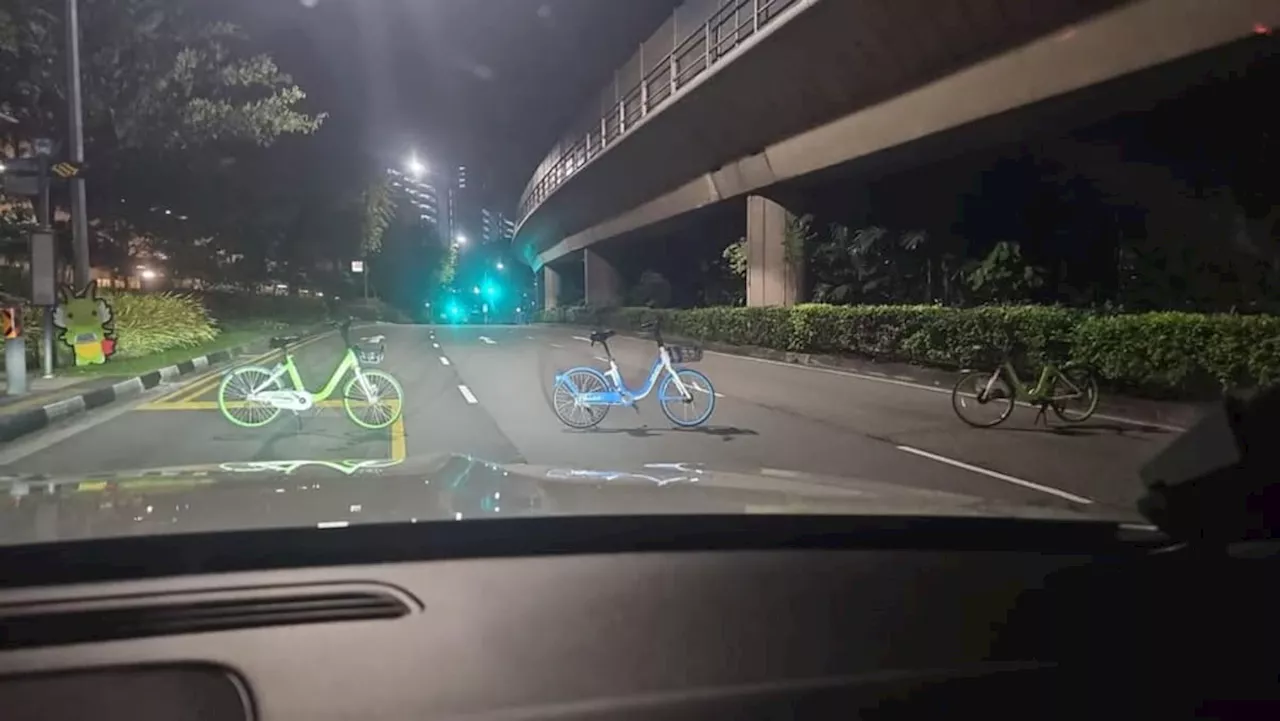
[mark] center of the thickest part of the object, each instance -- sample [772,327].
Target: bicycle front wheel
[982,402]
[1075,395]
[687,410]
[234,392]
[376,403]
[565,398]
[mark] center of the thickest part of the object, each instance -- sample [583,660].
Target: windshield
[296,264]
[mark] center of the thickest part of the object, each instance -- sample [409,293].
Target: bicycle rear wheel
[981,401]
[565,398]
[1081,391]
[233,397]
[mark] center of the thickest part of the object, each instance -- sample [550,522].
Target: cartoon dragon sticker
[87,324]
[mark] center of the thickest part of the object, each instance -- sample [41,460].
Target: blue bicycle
[583,396]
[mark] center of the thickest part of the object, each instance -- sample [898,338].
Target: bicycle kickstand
[1041,417]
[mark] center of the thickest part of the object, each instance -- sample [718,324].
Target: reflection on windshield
[978,318]
[348,467]
[660,474]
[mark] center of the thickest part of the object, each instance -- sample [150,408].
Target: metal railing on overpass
[701,50]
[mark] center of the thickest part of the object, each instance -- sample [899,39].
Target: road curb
[16,425]
[1170,415]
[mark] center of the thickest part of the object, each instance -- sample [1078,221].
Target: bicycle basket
[371,354]
[684,354]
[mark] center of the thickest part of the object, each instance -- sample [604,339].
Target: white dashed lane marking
[468,395]
[444,361]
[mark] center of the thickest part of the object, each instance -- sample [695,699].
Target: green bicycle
[1070,390]
[253,396]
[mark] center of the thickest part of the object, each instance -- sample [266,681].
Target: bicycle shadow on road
[1087,429]
[316,440]
[724,433]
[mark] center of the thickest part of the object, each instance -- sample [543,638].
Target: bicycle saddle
[600,336]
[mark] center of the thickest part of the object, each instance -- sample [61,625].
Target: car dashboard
[640,618]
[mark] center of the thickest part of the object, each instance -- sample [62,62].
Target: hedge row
[148,323]
[1160,354]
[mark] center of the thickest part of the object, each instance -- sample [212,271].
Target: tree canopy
[183,125]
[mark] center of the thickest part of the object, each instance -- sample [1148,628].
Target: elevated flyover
[765,92]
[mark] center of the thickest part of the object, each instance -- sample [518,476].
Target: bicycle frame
[288,368]
[1040,392]
[624,396]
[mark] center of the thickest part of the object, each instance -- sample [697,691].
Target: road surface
[485,390]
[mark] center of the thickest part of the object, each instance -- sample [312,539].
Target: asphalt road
[485,391]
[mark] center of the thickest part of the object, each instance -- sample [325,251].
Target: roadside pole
[75,111]
[43,258]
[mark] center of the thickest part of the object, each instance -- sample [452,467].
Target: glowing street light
[460,239]
[500,265]
[415,167]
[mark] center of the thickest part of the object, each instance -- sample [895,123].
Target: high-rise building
[433,205]
[496,227]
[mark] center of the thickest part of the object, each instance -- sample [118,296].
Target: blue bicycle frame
[621,395]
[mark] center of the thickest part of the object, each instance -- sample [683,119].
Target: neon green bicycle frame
[349,363]
[1041,391]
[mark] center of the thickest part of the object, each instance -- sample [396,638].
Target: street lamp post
[75,111]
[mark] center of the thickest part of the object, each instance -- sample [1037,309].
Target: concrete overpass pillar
[772,278]
[550,288]
[603,284]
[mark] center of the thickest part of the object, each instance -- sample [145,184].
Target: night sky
[489,83]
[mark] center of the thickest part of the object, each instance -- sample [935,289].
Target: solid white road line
[998,476]
[555,345]
[467,394]
[882,378]
[486,339]
[444,361]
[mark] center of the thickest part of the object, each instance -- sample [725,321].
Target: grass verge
[229,338]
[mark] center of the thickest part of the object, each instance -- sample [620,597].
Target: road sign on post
[66,170]
[44,290]
[44,271]
[11,321]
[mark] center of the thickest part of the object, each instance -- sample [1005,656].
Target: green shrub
[373,310]
[145,323]
[156,322]
[1160,354]
[242,307]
